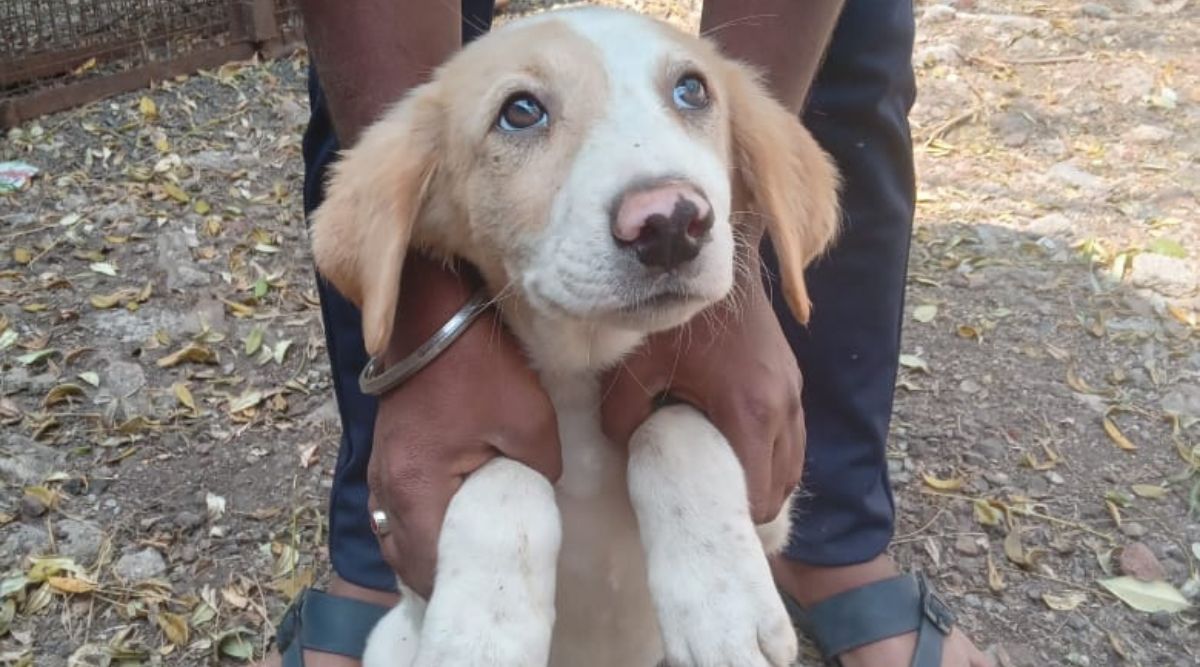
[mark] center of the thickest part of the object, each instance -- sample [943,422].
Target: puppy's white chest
[605,613]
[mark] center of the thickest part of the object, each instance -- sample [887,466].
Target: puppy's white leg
[716,601]
[394,639]
[493,594]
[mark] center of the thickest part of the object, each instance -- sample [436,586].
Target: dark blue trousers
[858,112]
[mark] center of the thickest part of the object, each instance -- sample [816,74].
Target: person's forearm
[368,53]
[786,39]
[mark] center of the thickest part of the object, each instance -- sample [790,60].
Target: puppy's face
[588,162]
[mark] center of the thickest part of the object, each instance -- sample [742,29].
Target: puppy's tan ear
[789,180]
[361,231]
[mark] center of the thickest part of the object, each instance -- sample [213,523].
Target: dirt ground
[168,428]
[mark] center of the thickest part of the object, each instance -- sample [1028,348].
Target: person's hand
[733,364]
[477,400]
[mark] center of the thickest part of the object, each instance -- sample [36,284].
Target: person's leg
[858,112]
[359,571]
[849,353]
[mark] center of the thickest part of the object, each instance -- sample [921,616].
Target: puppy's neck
[564,348]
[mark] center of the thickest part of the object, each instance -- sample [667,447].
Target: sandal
[318,621]
[876,611]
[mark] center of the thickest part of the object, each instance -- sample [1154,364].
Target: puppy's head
[593,163]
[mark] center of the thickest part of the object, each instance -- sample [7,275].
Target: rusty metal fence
[57,54]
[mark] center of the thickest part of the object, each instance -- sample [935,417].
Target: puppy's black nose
[665,226]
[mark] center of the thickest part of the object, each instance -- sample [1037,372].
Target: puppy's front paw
[493,594]
[733,621]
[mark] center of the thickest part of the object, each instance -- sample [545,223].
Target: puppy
[587,161]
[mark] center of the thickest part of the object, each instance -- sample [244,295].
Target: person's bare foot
[341,588]
[809,585]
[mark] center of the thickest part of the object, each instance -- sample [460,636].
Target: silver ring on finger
[379,523]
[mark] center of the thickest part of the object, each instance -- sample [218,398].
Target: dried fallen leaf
[1064,601]
[90,377]
[174,627]
[1114,433]
[310,455]
[914,362]
[995,581]
[235,598]
[192,352]
[184,396]
[253,341]
[246,401]
[61,393]
[71,585]
[215,505]
[22,255]
[1149,597]
[951,484]
[925,313]
[147,108]
[987,514]
[175,192]
[1153,491]
[104,268]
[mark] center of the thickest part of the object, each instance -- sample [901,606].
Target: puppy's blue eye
[522,112]
[690,93]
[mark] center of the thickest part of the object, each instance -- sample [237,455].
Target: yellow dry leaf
[987,514]
[1114,433]
[71,585]
[22,255]
[184,396]
[1184,316]
[951,484]
[148,108]
[104,301]
[175,192]
[174,627]
[61,393]
[234,598]
[192,352]
[1149,491]
[1065,601]
[1014,549]
[995,581]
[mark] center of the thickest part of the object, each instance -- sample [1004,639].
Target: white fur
[659,536]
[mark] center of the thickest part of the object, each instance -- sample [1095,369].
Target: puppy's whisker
[753,18]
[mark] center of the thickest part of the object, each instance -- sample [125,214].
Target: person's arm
[368,53]
[786,39]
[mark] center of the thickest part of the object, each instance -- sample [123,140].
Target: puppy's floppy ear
[361,231]
[790,181]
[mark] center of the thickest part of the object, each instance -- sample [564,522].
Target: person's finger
[628,400]
[409,546]
[749,425]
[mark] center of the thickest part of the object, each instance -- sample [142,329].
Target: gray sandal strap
[318,621]
[877,611]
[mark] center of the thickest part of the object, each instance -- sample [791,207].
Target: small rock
[175,260]
[139,566]
[25,462]
[1183,400]
[1167,275]
[1095,10]
[1077,623]
[23,540]
[124,381]
[937,54]
[1039,487]
[1138,561]
[1079,659]
[188,521]
[187,554]
[1013,127]
[74,486]
[1161,619]
[938,14]
[966,545]
[992,448]
[1076,177]
[996,477]
[1147,134]
[32,508]
[1055,478]
[80,540]
[1134,530]
[969,386]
